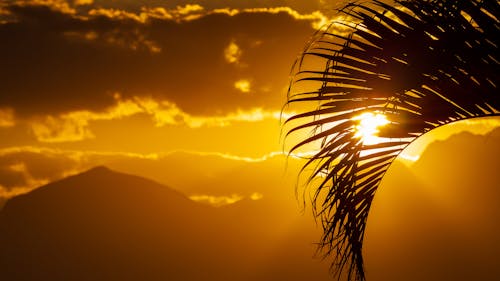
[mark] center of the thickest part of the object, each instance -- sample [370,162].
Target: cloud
[22,169]
[217,201]
[192,12]
[243,85]
[317,18]
[75,126]
[180,13]
[61,6]
[189,8]
[83,56]
[63,129]
[212,177]
[83,2]
[256,196]
[25,168]
[7,118]
[232,53]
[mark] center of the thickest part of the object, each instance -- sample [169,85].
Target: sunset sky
[188,93]
[143,79]
[83,82]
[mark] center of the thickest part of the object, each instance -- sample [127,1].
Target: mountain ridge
[105,225]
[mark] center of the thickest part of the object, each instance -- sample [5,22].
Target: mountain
[464,153]
[439,219]
[434,220]
[105,225]
[195,174]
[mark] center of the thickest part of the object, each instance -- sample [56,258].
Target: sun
[368,125]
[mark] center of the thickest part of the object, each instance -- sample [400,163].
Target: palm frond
[422,64]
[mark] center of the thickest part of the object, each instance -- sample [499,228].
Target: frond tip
[419,64]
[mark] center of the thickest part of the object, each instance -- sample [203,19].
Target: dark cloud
[189,172]
[54,61]
[30,168]
[11,178]
[300,5]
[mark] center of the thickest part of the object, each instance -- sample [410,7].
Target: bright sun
[367,128]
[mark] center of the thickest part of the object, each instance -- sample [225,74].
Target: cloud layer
[189,56]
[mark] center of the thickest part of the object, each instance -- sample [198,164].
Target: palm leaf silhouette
[422,64]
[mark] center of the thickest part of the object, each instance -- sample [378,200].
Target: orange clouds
[6,117]
[166,113]
[154,52]
[316,18]
[191,12]
[188,12]
[217,201]
[83,2]
[62,6]
[232,53]
[243,85]
[213,178]
[74,126]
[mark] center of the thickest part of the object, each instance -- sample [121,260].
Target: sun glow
[367,128]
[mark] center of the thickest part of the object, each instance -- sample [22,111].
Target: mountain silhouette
[477,156]
[438,220]
[105,225]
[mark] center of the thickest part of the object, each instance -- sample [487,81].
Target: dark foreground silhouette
[104,225]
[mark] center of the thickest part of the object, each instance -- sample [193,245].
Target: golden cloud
[7,117]
[30,181]
[83,2]
[118,14]
[243,85]
[56,5]
[232,53]
[40,165]
[256,196]
[74,126]
[136,40]
[181,13]
[167,113]
[189,9]
[317,18]
[217,201]
[67,128]
[240,158]
[132,40]
[187,12]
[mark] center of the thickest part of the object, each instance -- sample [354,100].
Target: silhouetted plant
[422,64]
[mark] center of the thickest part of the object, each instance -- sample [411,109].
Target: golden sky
[145,78]
[84,82]
[188,93]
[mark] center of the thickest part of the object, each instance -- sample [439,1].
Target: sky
[143,79]
[189,93]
